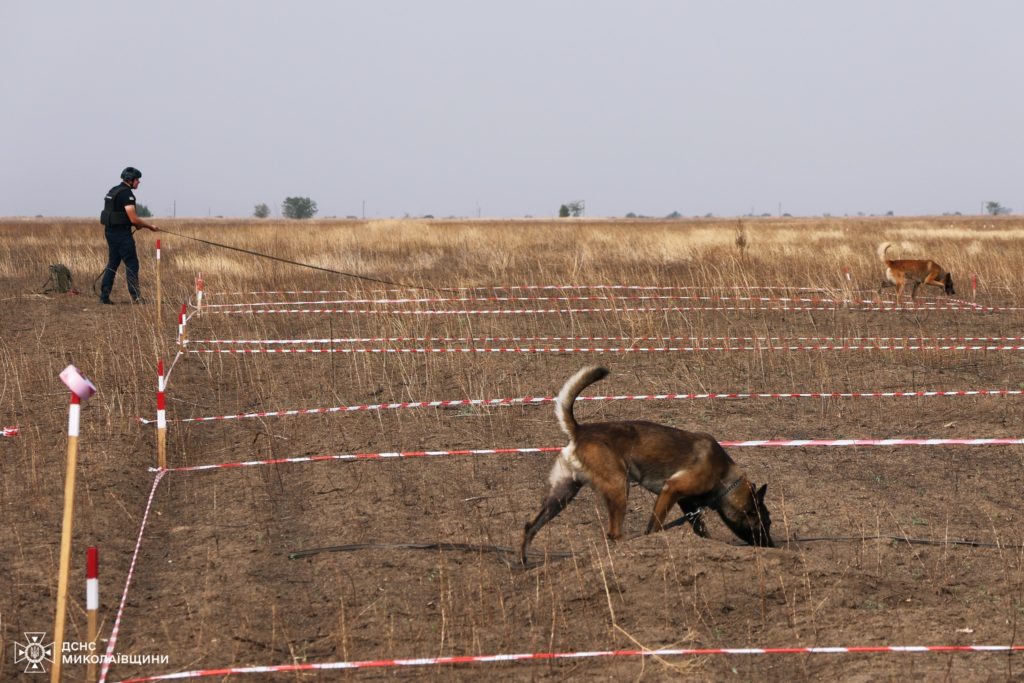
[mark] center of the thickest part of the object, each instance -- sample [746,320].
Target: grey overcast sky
[504,109]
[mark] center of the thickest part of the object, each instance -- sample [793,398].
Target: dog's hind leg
[616,495]
[561,494]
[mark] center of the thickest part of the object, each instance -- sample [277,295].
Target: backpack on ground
[60,280]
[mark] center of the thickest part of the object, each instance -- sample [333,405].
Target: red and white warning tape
[755,443]
[550,288]
[482,299]
[612,309]
[630,349]
[538,400]
[467,340]
[10,431]
[112,643]
[592,654]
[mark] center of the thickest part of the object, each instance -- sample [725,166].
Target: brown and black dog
[915,271]
[690,469]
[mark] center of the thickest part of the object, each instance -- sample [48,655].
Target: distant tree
[674,215]
[261,211]
[630,215]
[143,211]
[298,207]
[574,209]
[997,209]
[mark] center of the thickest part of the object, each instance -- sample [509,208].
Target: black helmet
[131,174]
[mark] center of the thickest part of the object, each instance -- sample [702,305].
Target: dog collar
[730,488]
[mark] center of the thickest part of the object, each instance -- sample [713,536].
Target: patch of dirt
[215,584]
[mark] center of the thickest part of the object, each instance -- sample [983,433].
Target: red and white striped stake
[199,292]
[92,606]
[974,286]
[846,272]
[10,431]
[161,416]
[81,389]
[158,292]
[181,325]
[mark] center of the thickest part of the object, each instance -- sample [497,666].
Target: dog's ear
[760,493]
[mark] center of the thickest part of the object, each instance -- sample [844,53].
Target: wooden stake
[65,536]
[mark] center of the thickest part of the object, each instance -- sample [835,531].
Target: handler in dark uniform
[118,217]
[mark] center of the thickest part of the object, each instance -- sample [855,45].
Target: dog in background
[690,469]
[914,271]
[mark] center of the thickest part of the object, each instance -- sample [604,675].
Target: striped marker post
[161,416]
[199,292]
[81,389]
[10,431]
[181,325]
[92,606]
[974,286]
[158,296]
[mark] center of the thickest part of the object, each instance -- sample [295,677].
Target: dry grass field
[870,538]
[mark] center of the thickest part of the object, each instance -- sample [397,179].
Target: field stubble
[215,585]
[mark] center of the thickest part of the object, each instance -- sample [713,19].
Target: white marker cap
[81,386]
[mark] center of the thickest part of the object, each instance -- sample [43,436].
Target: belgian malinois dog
[915,271]
[688,468]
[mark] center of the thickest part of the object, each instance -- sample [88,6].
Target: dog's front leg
[696,520]
[561,494]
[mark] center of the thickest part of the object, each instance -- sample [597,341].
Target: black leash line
[904,539]
[468,547]
[307,265]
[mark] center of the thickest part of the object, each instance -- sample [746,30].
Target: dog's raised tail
[567,396]
[882,248]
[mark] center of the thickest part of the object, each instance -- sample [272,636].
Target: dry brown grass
[215,587]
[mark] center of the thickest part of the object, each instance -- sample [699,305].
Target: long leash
[507,555]
[306,265]
[910,541]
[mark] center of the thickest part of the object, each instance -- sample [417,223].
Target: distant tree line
[304,207]
[291,207]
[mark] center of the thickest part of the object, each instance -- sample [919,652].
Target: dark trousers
[120,248]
